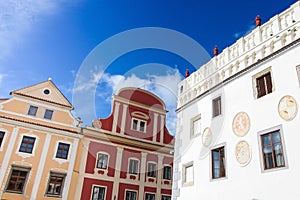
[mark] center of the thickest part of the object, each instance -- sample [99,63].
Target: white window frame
[45,113]
[149,193]
[36,114]
[171,170]
[108,157]
[20,139]
[254,84]
[138,128]
[193,121]
[266,131]
[130,190]
[101,186]
[184,169]
[155,171]
[138,166]
[62,160]
[221,106]
[6,133]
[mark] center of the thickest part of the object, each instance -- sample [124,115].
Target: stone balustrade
[262,41]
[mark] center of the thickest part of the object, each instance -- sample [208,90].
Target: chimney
[257,20]
[187,73]
[216,50]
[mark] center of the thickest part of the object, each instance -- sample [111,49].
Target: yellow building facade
[39,139]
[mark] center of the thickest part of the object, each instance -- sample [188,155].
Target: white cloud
[17,17]
[250,27]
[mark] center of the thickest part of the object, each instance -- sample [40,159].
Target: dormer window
[138,125]
[32,110]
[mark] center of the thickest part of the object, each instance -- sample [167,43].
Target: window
[298,72]
[151,170]
[264,85]
[150,196]
[2,133]
[48,114]
[196,126]
[216,106]
[62,150]
[167,172]
[218,163]
[55,185]
[102,161]
[27,144]
[130,195]
[188,174]
[272,150]
[98,193]
[138,125]
[133,166]
[164,197]
[17,179]
[32,110]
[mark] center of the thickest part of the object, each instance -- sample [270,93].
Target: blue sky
[57,38]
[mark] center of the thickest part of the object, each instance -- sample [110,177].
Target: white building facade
[238,120]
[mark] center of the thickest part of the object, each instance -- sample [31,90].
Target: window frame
[131,191]
[129,164]
[57,148]
[33,144]
[138,125]
[184,175]
[218,106]
[58,175]
[169,177]
[46,112]
[165,197]
[99,186]
[192,131]
[283,148]
[25,180]
[2,138]
[151,173]
[255,86]
[107,160]
[225,171]
[32,107]
[150,194]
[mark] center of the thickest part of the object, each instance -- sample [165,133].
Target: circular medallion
[241,124]
[287,108]
[206,137]
[243,152]
[97,123]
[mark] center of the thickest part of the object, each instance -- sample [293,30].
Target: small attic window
[46,91]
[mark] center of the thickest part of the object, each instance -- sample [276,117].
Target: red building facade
[129,154]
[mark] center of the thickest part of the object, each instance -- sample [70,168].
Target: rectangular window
[216,106]
[131,195]
[2,133]
[151,170]
[32,110]
[102,161]
[48,114]
[298,73]
[55,185]
[167,172]
[188,174]
[218,163]
[133,166]
[196,126]
[98,193]
[17,179]
[62,150]
[138,125]
[272,150]
[150,196]
[164,197]
[264,85]
[27,144]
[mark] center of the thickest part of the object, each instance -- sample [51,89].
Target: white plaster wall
[244,182]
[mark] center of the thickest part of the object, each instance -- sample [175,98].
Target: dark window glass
[1,137]
[133,166]
[264,85]
[48,114]
[163,197]
[130,195]
[150,196]
[151,170]
[134,124]
[62,150]
[98,193]
[55,185]
[142,126]
[17,180]
[218,163]
[272,150]
[217,106]
[32,110]
[167,172]
[102,161]
[27,144]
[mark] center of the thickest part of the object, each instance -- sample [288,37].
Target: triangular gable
[44,91]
